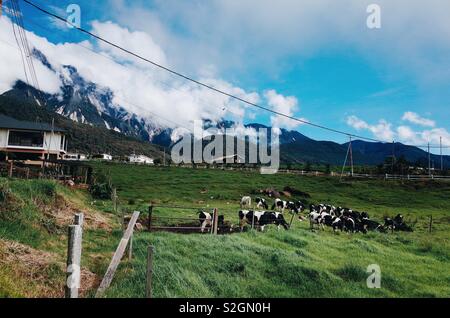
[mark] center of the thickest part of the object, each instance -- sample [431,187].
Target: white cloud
[357,123]
[138,87]
[404,134]
[11,62]
[137,42]
[416,119]
[221,30]
[382,130]
[287,105]
[408,135]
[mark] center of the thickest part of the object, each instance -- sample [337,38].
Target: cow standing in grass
[246,202]
[261,203]
[206,219]
[279,205]
[261,219]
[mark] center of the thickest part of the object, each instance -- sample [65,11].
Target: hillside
[294,263]
[34,216]
[375,152]
[83,138]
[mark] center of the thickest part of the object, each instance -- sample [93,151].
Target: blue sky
[393,82]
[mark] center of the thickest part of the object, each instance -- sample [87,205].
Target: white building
[30,142]
[103,156]
[140,159]
[75,157]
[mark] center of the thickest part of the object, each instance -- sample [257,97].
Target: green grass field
[294,263]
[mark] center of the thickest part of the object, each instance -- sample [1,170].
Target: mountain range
[81,103]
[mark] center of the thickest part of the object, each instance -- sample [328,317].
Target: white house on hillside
[103,156]
[141,159]
[30,142]
[75,157]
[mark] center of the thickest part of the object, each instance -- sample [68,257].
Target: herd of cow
[321,215]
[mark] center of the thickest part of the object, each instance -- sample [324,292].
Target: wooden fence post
[253,220]
[148,290]
[216,218]
[118,254]
[79,219]
[292,219]
[431,224]
[74,257]
[150,214]
[11,166]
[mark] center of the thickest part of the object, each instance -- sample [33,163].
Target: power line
[194,80]
[201,83]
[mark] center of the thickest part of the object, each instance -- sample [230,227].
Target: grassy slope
[22,220]
[296,263]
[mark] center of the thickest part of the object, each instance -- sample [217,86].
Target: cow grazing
[206,219]
[261,219]
[299,206]
[295,207]
[245,216]
[279,205]
[349,224]
[397,224]
[337,224]
[314,218]
[261,203]
[372,225]
[246,202]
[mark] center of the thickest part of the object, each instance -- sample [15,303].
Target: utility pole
[442,161]
[345,160]
[50,141]
[429,160]
[351,154]
[393,156]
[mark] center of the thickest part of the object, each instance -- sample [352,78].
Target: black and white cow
[261,203]
[397,224]
[279,205]
[300,206]
[314,218]
[261,219]
[206,219]
[295,207]
[372,225]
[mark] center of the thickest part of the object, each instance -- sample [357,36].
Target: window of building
[26,138]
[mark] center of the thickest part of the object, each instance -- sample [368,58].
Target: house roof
[7,122]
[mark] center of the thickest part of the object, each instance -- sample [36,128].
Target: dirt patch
[62,212]
[43,269]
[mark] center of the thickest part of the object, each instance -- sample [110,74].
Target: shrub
[101,191]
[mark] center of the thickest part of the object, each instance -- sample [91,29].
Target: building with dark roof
[30,142]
